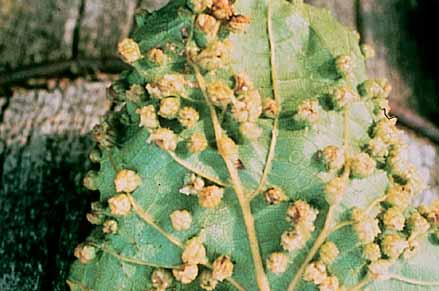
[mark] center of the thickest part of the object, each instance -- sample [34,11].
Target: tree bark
[43,156]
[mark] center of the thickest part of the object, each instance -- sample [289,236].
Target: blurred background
[57,57]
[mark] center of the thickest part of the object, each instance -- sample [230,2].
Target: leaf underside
[289,53]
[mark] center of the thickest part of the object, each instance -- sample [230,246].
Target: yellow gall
[362,165]
[185,273]
[148,117]
[250,130]
[358,214]
[85,253]
[188,117]
[377,89]
[343,96]
[94,217]
[104,134]
[393,245]
[168,85]
[274,196]
[301,212]
[315,272]
[332,157]
[328,252]
[181,220]
[417,224]
[277,263]
[398,195]
[89,180]
[238,23]
[119,205]
[414,180]
[169,107]
[308,112]
[379,270]
[219,93]
[293,239]
[344,65]
[398,164]
[222,268]
[129,50]
[207,282]
[157,56]
[194,252]
[227,148]
[387,131]
[239,111]
[242,83]
[161,279]
[197,142]
[164,138]
[135,93]
[193,184]
[199,6]
[330,284]
[270,108]
[127,181]
[378,149]
[372,252]
[367,230]
[207,24]
[95,155]
[110,226]
[222,9]
[210,196]
[214,56]
[368,51]
[394,219]
[335,189]
[248,107]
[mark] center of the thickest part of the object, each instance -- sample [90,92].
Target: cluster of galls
[170,89]
[168,101]
[210,52]
[394,235]
[194,254]
[246,106]
[125,182]
[213,20]
[395,231]
[169,92]
[209,196]
[317,272]
[394,228]
[302,217]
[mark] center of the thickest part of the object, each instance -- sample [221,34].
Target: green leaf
[291,52]
[418,273]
